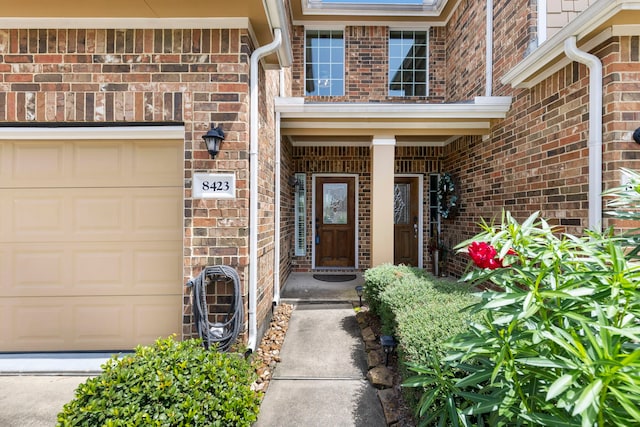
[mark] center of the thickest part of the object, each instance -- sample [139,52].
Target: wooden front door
[406,211]
[335,222]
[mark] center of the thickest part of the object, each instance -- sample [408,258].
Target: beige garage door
[90,243]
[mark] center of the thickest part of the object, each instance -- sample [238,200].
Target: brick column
[382,173]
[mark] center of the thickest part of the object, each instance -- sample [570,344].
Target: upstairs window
[324,63]
[408,63]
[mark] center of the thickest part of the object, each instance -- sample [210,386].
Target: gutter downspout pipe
[489,50]
[595,128]
[253,183]
[276,237]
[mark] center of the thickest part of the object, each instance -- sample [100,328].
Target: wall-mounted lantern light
[212,138]
[636,136]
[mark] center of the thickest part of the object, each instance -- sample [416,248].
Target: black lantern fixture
[359,290]
[388,345]
[212,138]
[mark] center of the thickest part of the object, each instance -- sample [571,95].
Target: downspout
[595,128]
[253,183]
[489,50]
[276,220]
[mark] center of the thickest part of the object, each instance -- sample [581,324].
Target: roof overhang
[599,22]
[411,124]
[259,17]
[318,12]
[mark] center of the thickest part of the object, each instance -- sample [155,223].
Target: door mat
[335,277]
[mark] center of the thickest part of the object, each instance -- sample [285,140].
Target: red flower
[485,255]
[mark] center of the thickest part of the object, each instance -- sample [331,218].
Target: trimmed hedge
[168,384]
[421,311]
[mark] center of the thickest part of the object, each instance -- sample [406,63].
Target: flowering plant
[486,256]
[558,342]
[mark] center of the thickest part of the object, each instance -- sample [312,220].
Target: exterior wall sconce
[388,345]
[636,136]
[212,138]
[359,291]
[295,183]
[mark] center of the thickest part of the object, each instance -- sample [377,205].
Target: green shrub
[422,312]
[377,279]
[168,384]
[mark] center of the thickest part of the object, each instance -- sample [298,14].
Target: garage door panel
[83,215]
[88,323]
[55,164]
[39,163]
[49,269]
[154,318]
[156,270]
[155,163]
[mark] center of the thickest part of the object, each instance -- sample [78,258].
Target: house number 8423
[215,186]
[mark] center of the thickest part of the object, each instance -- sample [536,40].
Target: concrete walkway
[321,380]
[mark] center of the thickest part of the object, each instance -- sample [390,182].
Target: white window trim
[427,59]
[341,28]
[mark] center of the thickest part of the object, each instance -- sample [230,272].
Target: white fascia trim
[582,25]
[124,23]
[483,107]
[405,25]
[93,132]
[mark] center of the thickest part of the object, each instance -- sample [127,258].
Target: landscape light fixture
[388,345]
[212,138]
[359,290]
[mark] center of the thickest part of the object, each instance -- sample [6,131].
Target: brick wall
[537,158]
[366,66]
[193,77]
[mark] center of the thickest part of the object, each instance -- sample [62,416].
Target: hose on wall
[222,333]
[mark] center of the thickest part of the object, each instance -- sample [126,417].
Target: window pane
[324,63]
[408,63]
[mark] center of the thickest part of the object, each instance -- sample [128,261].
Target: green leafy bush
[422,312]
[379,278]
[560,346]
[168,384]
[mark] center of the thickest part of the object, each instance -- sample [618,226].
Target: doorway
[407,220]
[335,221]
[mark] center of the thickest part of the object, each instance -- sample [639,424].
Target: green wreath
[447,198]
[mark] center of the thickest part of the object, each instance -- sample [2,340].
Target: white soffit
[536,67]
[374,7]
[92,132]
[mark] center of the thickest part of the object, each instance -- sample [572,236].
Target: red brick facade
[194,77]
[536,159]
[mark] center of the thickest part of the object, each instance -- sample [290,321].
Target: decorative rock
[380,377]
[371,345]
[374,358]
[367,334]
[389,399]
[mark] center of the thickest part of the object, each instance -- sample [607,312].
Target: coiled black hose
[223,333]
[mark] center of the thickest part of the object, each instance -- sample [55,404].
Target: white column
[382,174]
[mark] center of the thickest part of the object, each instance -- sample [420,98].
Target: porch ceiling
[411,124]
